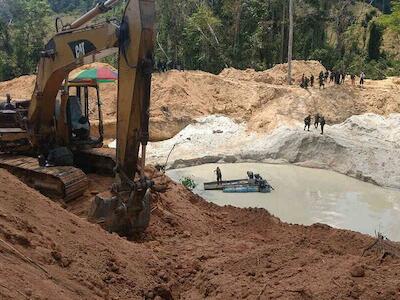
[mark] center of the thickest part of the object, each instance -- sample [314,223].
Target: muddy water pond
[307,196]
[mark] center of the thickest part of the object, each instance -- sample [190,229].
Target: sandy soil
[364,146]
[262,99]
[192,250]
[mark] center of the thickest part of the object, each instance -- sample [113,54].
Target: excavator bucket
[113,214]
[127,209]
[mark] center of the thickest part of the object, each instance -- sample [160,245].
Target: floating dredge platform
[254,183]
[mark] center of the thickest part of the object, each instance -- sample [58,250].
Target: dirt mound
[247,75]
[192,250]
[278,74]
[299,67]
[66,256]
[19,88]
[262,99]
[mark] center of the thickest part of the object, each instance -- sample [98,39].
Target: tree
[200,35]
[392,21]
[64,6]
[375,41]
[23,34]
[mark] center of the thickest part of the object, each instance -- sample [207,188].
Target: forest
[211,35]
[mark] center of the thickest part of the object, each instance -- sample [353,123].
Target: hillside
[262,99]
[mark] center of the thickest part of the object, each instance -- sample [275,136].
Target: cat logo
[82,48]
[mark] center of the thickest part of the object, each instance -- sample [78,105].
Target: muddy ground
[192,250]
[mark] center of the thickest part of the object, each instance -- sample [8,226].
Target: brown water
[307,196]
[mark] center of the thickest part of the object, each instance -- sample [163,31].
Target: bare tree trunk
[237,24]
[290,47]
[283,33]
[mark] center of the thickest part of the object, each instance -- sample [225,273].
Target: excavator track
[97,160]
[58,183]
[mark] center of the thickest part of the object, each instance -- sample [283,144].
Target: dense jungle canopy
[211,35]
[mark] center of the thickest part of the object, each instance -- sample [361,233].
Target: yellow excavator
[47,142]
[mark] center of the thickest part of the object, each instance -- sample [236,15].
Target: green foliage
[211,35]
[392,20]
[188,182]
[22,36]
[326,55]
[383,5]
[375,41]
[200,37]
[64,6]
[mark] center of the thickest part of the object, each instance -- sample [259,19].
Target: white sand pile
[365,147]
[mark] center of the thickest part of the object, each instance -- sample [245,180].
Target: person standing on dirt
[316,121]
[7,105]
[306,83]
[322,122]
[312,80]
[307,123]
[326,76]
[332,76]
[362,79]
[343,77]
[337,77]
[321,80]
[219,175]
[303,81]
[353,79]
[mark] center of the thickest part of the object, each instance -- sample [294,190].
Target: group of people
[336,77]
[318,121]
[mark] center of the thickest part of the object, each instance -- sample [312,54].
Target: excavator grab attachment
[127,210]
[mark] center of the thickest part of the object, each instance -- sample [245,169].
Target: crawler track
[64,183]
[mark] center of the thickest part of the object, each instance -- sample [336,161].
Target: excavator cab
[78,109]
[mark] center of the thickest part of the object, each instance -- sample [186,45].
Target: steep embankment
[192,250]
[261,99]
[364,147]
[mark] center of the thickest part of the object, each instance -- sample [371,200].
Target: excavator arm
[128,210]
[135,69]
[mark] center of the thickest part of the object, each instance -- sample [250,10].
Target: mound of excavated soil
[68,258]
[262,99]
[192,250]
[278,74]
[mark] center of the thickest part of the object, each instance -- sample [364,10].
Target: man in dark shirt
[219,175]
[316,121]
[307,122]
[322,122]
[7,105]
